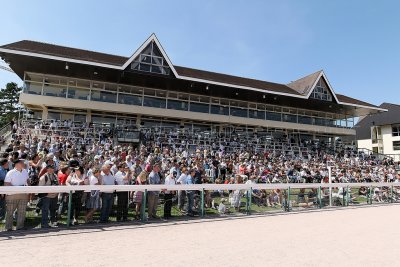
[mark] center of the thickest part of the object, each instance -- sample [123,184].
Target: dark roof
[224,78]
[68,52]
[392,116]
[349,100]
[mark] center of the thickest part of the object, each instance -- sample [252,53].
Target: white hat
[97,157]
[108,162]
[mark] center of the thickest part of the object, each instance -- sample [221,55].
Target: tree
[9,106]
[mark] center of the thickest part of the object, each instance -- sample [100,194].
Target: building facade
[380,133]
[147,90]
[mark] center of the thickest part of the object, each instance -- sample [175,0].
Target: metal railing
[289,198]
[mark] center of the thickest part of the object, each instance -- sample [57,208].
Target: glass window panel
[238,112]
[83,84]
[257,114]
[273,116]
[111,87]
[219,110]
[144,67]
[154,102]
[145,58]
[54,116]
[33,88]
[290,118]
[98,85]
[129,99]
[305,120]
[197,107]
[53,90]
[34,77]
[150,92]
[157,60]
[320,121]
[177,105]
[103,96]
[80,117]
[157,69]
[77,93]
[161,93]
[396,145]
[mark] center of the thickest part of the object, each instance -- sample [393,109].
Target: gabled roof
[392,116]
[301,88]
[305,84]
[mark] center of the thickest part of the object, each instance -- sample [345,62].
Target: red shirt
[62,178]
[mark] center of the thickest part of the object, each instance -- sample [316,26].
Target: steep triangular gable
[151,57]
[322,90]
[304,85]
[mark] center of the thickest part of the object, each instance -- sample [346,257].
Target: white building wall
[388,140]
[366,143]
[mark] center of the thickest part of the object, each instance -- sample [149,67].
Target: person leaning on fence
[16,177]
[123,177]
[74,179]
[49,200]
[3,173]
[107,197]
[154,178]
[138,195]
[93,201]
[168,195]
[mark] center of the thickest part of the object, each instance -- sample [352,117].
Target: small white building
[380,133]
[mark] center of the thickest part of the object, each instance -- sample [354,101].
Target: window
[396,130]
[151,60]
[396,145]
[321,92]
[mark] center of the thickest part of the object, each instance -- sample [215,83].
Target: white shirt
[119,178]
[181,179]
[93,180]
[169,181]
[17,178]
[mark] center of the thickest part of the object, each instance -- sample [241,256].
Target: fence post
[288,199]
[69,209]
[370,195]
[143,209]
[250,193]
[391,194]
[202,202]
[319,197]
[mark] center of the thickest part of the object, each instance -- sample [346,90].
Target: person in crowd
[182,193]
[16,177]
[76,178]
[3,174]
[168,195]
[138,195]
[154,178]
[49,200]
[190,193]
[123,177]
[107,197]
[93,201]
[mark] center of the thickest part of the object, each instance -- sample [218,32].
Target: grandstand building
[147,90]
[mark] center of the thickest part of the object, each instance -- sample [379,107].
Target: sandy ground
[347,237]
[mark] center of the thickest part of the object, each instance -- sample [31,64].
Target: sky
[355,42]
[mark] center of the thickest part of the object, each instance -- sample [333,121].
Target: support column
[45,113]
[138,120]
[89,116]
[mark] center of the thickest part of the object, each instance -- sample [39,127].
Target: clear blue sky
[356,42]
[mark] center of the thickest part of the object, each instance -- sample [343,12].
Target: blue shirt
[3,173]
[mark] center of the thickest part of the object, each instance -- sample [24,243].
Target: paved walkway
[348,237]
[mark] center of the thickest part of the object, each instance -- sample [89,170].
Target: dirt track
[350,237]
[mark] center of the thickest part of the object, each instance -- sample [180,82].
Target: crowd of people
[65,154]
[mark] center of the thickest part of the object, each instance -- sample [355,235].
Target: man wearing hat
[16,177]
